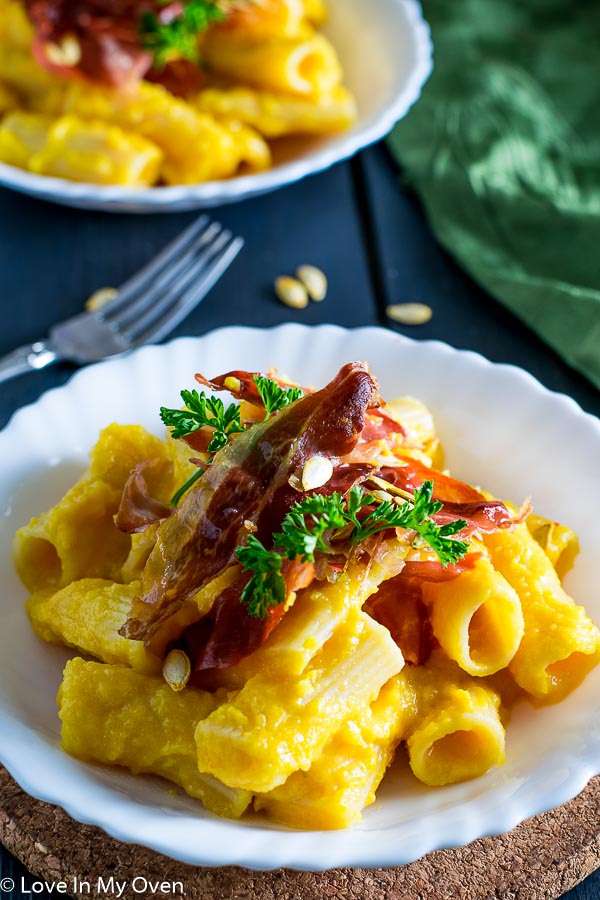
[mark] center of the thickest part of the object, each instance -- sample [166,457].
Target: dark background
[356,222]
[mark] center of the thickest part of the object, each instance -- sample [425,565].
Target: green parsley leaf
[178,38]
[273,396]
[316,523]
[199,411]
[303,528]
[266,588]
[416,516]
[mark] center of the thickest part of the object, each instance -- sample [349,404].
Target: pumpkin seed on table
[291,292]
[409,313]
[314,280]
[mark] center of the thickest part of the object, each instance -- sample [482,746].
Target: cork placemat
[540,860]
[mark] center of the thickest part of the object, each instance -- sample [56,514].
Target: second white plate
[386,57]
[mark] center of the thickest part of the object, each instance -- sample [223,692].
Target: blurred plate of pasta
[499,428]
[310,86]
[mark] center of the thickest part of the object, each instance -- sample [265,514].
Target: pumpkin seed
[65,53]
[177,669]
[409,313]
[291,292]
[316,472]
[314,281]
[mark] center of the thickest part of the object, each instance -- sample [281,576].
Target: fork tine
[146,300]
[181,306]
[174,288]
[153,267]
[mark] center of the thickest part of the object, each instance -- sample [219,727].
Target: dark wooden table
[356,222]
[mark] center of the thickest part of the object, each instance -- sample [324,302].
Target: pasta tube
[81,151]
[460,740]
[195,146]
[20,71]
[98,153]
[274,115]
[313,619]
[561,644]
[22,136]
[121,447]
[477,618]
[78,538]
[15,28]
[87,614]
[315,11]
[306,65]
[116,716]
[344,778]
[455,732]
[269,18]
[274,727]
[559,542]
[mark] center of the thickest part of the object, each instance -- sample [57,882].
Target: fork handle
[27,359]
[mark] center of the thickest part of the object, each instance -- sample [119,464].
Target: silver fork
[147,307]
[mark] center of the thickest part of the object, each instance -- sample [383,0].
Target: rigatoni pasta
[113,715]
[320,627]
[560,644]
[477,618]
[87,614]
[306,64]
[71,147]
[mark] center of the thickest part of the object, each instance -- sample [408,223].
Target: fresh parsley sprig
[273,396]
[307,522]
[199,411]
[266,588]
[314,524]
[178,38]
[416,516]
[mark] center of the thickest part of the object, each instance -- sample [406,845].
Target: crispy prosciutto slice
[241,385]
[107,34]
[138,509]
[108,46]
[379,426]
[461,501]
[228,633]
[413,473]
[198,542]
[398,604]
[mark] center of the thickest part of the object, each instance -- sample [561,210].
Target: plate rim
[510,368]
[128,830]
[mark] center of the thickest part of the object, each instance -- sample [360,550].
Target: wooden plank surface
[52,258]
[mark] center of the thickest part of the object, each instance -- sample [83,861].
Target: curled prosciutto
[247,481]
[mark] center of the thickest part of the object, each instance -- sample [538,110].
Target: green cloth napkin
[504,150]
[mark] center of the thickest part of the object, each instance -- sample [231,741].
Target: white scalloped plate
[500,427]
[386,58]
